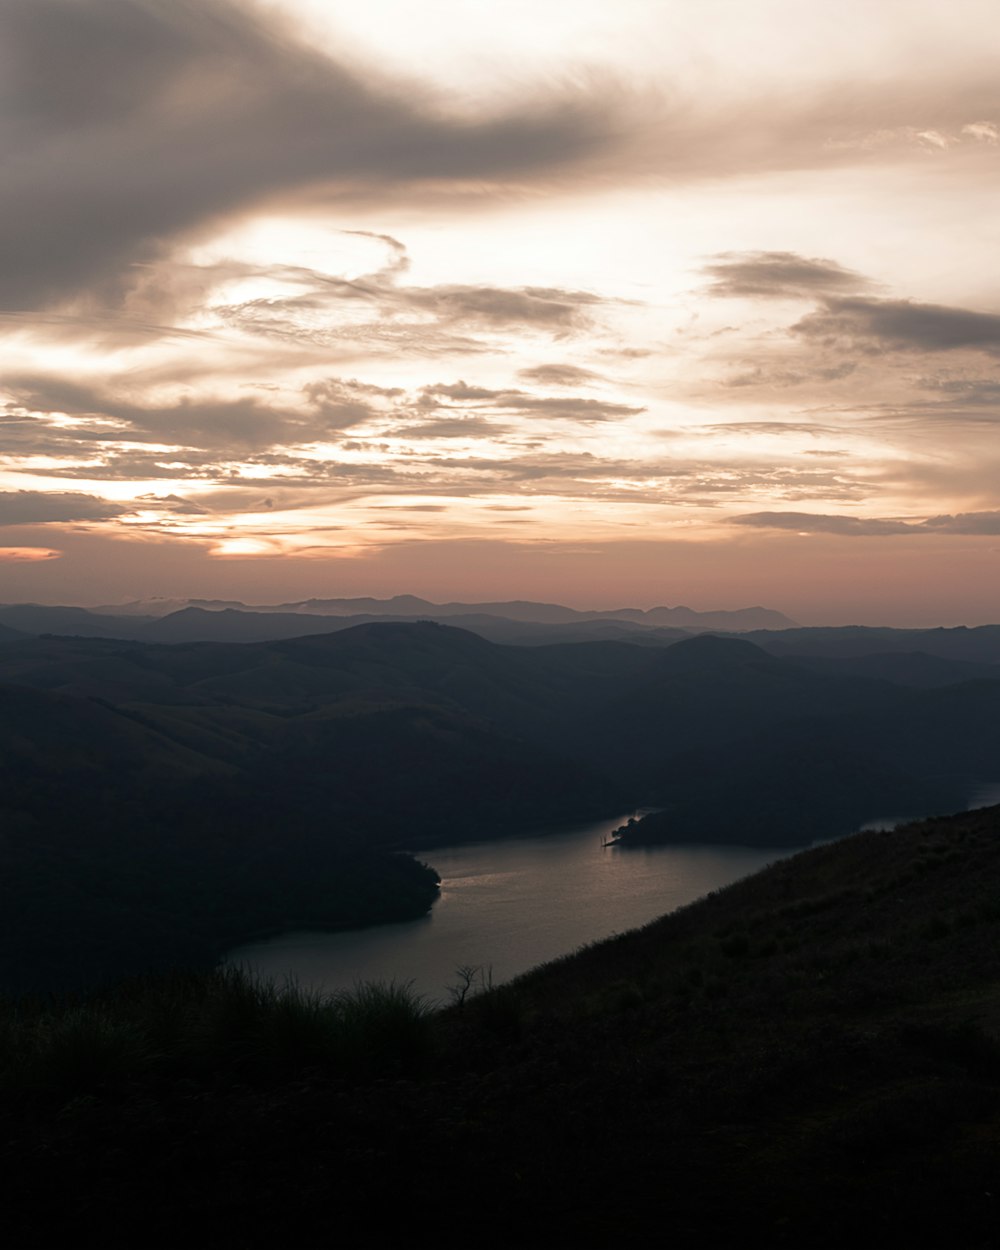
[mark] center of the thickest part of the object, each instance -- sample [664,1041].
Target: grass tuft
[195,1026]
[382,1026]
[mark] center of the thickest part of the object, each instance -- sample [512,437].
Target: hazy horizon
[595,604]
[652,303]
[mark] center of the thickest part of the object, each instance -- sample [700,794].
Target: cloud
[399,259]
[565,407]
[32,507]
[559,375]
[809,522]
[973,391]
[27,555]
[985,132]
[760,131]
[779,275]
[781,379]
[929,139]
[424,320]
[377,310]
[965,523]
[461,390]
[243,425]
[251,444]
[899,325]
[768,428]
[129,123]
[455,427]
[352,386]
[175,505]
[547,307]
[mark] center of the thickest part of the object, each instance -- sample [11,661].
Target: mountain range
[217,790]
[166,620]
[514,610]
[855,648]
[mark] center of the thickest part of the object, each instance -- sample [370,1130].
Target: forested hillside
[195,794]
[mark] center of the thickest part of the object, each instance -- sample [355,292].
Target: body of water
[510,905]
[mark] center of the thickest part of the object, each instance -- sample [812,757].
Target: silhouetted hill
[61,736]
[623,710]
[124,849]
[185,620]
[734,621]
[227,625]
[709,651]
[525,623]
[246,771]
[547,613]
[810,1057]
[980,644]
[196,624]
[814,776]
[33,618]
[904,668]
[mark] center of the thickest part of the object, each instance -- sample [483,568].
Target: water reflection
[511,905]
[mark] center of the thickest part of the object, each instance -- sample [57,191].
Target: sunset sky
[602,302]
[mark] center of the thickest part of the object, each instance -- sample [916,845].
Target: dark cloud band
[129,122]
[984,523]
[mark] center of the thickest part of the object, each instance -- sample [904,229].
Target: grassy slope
[809,1057]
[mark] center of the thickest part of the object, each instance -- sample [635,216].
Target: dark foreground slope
[808,1058]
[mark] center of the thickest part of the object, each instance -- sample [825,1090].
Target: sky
[603,302]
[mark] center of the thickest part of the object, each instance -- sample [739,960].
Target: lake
[510,905]
[513,903]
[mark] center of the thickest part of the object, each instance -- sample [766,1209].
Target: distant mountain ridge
[913,657]
[733,620]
